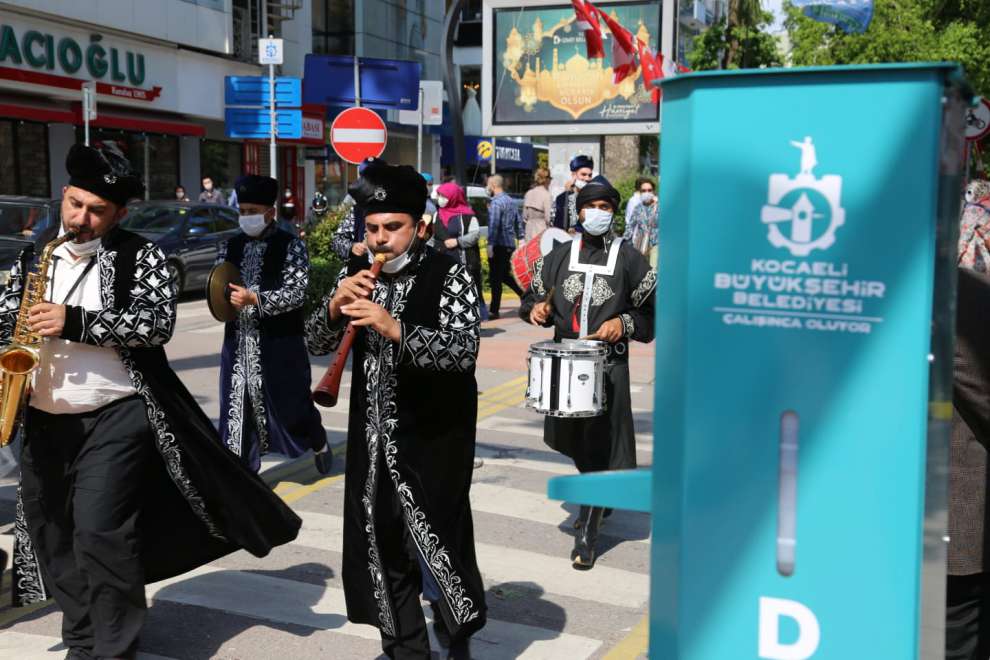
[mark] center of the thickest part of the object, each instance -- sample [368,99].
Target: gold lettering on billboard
[575,85]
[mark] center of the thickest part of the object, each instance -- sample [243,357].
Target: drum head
[216,291]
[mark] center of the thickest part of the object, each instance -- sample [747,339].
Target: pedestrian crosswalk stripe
[317,606]
[26,646]
[506,564]
[535,507]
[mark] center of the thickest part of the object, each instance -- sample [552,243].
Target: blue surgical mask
[596,221]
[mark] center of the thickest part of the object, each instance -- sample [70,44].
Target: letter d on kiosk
[804,361]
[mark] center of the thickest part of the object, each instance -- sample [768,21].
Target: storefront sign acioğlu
[42,51]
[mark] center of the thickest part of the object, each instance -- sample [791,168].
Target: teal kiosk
[804,351]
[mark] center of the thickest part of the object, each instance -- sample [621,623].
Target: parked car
[188,232]
[25,221]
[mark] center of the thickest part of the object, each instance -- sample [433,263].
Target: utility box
[804,359]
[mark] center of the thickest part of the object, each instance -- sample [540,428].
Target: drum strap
[590,270]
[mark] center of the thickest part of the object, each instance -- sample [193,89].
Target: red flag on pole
[650,67]
[623,50]
[587,21]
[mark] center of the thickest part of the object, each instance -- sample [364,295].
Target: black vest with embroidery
[273,261]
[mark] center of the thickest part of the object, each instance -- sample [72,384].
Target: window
[162,174]
[333,27]
[24,159]
[226,220]
[221,161]
[200,222]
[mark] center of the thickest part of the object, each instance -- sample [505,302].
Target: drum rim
[588,348]
[601,411]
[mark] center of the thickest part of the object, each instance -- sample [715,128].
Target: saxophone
[19,358]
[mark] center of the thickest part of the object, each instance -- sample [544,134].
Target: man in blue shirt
[505,225]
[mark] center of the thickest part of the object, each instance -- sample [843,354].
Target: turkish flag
[623,50]
[587,21]
[651,69]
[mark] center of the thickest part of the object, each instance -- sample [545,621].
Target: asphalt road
[291,605]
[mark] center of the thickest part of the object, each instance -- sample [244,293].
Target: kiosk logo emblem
[810,206]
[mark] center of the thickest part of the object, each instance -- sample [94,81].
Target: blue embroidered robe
[265,401]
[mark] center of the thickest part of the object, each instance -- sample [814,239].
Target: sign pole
[357,82]
[419,133]
[86,112]
[494,150]
[272,165]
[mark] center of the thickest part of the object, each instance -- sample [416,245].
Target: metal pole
[273,164]
[357,82]
[419,134]
[86,104]
[453,93]
[147,167]
[494,151]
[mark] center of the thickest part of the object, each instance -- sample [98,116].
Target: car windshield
[22,220]
[154,218]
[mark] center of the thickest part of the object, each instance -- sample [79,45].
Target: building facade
[158,69]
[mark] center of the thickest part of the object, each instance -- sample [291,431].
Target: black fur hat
[103,172]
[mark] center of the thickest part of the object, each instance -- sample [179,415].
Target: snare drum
[524,257]
[567,378]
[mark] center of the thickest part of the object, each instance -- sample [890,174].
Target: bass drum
[525,256]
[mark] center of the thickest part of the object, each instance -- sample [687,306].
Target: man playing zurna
[265,373]
[600,288]
[411,432]
[123,478]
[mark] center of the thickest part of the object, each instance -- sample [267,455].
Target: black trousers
[967,617]
[81,481]
[499,274]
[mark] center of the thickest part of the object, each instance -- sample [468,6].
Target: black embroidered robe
[593,280]
[412,420]
[201,503]
[265,376]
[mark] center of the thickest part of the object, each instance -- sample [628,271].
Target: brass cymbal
[217,294]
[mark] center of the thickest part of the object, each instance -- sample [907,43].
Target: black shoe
[493,316]
[583,555]
[79,653]
[324,461]
[461,650]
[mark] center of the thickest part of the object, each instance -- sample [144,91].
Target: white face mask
[646,197]
[442,201]
[398,262]
[580,183]
[78,250]
[253,225]
[596,221]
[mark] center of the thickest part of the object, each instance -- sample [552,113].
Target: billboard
[538,80]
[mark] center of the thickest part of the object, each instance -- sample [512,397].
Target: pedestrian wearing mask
[210,194]
[265,373]
[565,211]
[180,194]
[642,230]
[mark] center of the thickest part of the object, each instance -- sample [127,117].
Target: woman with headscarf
[456,232]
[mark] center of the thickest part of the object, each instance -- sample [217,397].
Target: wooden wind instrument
[327,390]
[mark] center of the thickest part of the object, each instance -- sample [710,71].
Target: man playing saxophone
[123,478]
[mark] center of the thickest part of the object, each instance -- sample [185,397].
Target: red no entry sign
[358,133]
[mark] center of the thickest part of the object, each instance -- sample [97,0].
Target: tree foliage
[901,31]
[737,41]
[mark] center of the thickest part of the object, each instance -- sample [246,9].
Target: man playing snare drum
[596,287]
